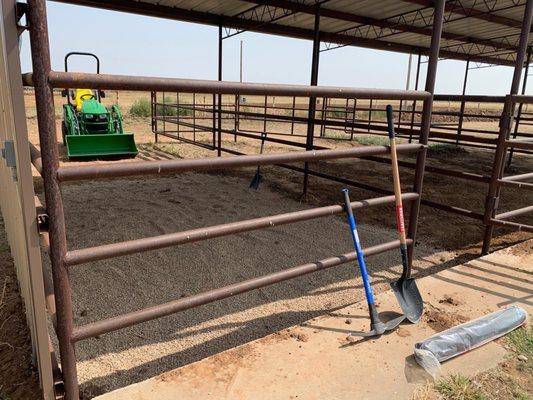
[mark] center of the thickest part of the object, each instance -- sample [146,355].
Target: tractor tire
[64,132]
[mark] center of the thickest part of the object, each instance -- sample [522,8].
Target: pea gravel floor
[117,210]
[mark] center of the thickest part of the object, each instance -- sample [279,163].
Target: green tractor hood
[93,106]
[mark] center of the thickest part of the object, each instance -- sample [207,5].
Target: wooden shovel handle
[396,178]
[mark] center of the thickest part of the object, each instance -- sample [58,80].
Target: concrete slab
[316,361]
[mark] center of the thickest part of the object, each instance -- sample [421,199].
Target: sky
[129,44]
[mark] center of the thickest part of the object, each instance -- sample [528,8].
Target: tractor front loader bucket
[101,146]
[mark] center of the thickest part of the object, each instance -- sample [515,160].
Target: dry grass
[521,341]
[459,387]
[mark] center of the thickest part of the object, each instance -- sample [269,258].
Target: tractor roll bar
[81,53]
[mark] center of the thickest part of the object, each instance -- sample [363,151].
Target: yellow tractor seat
[80,95]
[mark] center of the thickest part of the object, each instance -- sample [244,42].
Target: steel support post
[463,103]
[426,120]
[293,113]
[154,114]
[491,203]
[369,115]
[44,98]
[407,84]
[178,114]
[219,96]
[521,105]
[417,79]
[312,99]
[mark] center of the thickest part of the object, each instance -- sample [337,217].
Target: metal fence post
[426,120]
[505,126]
[312,99]
[44,98]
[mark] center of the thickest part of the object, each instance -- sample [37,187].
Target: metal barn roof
[482,31]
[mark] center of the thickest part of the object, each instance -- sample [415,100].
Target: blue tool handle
[390,121]
[358,249]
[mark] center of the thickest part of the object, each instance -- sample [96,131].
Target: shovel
[377,327]
[258,178]
[404,288]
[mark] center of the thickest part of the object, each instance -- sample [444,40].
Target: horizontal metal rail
[143,83]
[453,209]
[521,98]
[517,184]
[89,254]
[160,167]
[468,98]
[136,317]
[205,128]
[519,226]
[515,213]
[528,175]
[519,144]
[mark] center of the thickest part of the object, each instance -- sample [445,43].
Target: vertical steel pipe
[293,112]
[463,103]
[353,118]
[219,106]
[178,114]
[312,99]
[491,203]
[521,105]
[44,98]
[417,79]
[370,115]
[194,117]
[438,16]
[323,115]
[407,84]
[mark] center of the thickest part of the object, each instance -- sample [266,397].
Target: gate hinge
[8,153]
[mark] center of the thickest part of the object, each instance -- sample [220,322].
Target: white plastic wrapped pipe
[462,338]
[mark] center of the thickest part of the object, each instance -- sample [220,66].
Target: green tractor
[90,130]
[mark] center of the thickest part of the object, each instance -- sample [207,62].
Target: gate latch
[8,153]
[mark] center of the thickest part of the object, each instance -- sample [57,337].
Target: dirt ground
[125,209]
[110,211]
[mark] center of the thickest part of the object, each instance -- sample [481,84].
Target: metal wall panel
[17,196]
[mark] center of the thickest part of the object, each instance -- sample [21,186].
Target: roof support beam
[180,14]
[382,23]
[457,8]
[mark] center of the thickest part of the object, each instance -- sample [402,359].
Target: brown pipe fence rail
[44,80]
[341,117]
[348,118]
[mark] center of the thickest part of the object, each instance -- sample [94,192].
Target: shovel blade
[409,298]
[380,327]
[256,180]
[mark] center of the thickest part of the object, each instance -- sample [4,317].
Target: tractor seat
[78,100]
